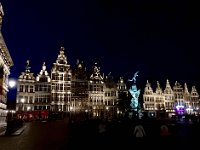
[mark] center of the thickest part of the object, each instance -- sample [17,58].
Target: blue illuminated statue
[135,94]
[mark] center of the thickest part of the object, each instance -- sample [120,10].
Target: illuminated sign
[180,108]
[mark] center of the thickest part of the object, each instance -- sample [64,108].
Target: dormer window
[61,61]
[61,69]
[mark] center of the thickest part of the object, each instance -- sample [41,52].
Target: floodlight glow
[22,100]
[12,83]
[28,108]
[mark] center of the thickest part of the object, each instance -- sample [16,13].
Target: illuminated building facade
[173,101]
[5,64]
[61,78]
[25,92]
[96,93]
[122,93]
[68,90]
[79,88]
[42,94]
[110,96]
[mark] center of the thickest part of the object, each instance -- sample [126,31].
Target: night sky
[160,39]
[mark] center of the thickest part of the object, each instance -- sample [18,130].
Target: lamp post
[12,112]
[12,86]
[107,112]
[22,101]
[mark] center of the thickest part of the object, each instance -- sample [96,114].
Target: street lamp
[12,83]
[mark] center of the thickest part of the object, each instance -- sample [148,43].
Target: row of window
[151,99]
[25,99]
[41,107]
[26,88]
[43,87]
[62,77]
[110,93]
[61,86]
[58,87]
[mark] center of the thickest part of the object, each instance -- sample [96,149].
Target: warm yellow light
[22,100]
[28,108]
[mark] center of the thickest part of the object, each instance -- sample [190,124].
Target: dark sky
[160,39]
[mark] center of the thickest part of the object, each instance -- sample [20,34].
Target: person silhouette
[139,131]
[164,131]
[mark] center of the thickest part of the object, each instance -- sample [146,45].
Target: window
[26,88]
[53,77]
[36,87]
[31,89]
[31,99]
[61,61]
[44,107]
[21,88]
[26,99]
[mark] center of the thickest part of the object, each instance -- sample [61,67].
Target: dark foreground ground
[119,134]
[70,134]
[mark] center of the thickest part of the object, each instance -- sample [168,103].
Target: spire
[148,89]
[186,92]
[62,59]
[186,88]
[96,73]
[158,84]
[167,84]
[168,89]
[147,84]
[158,88]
